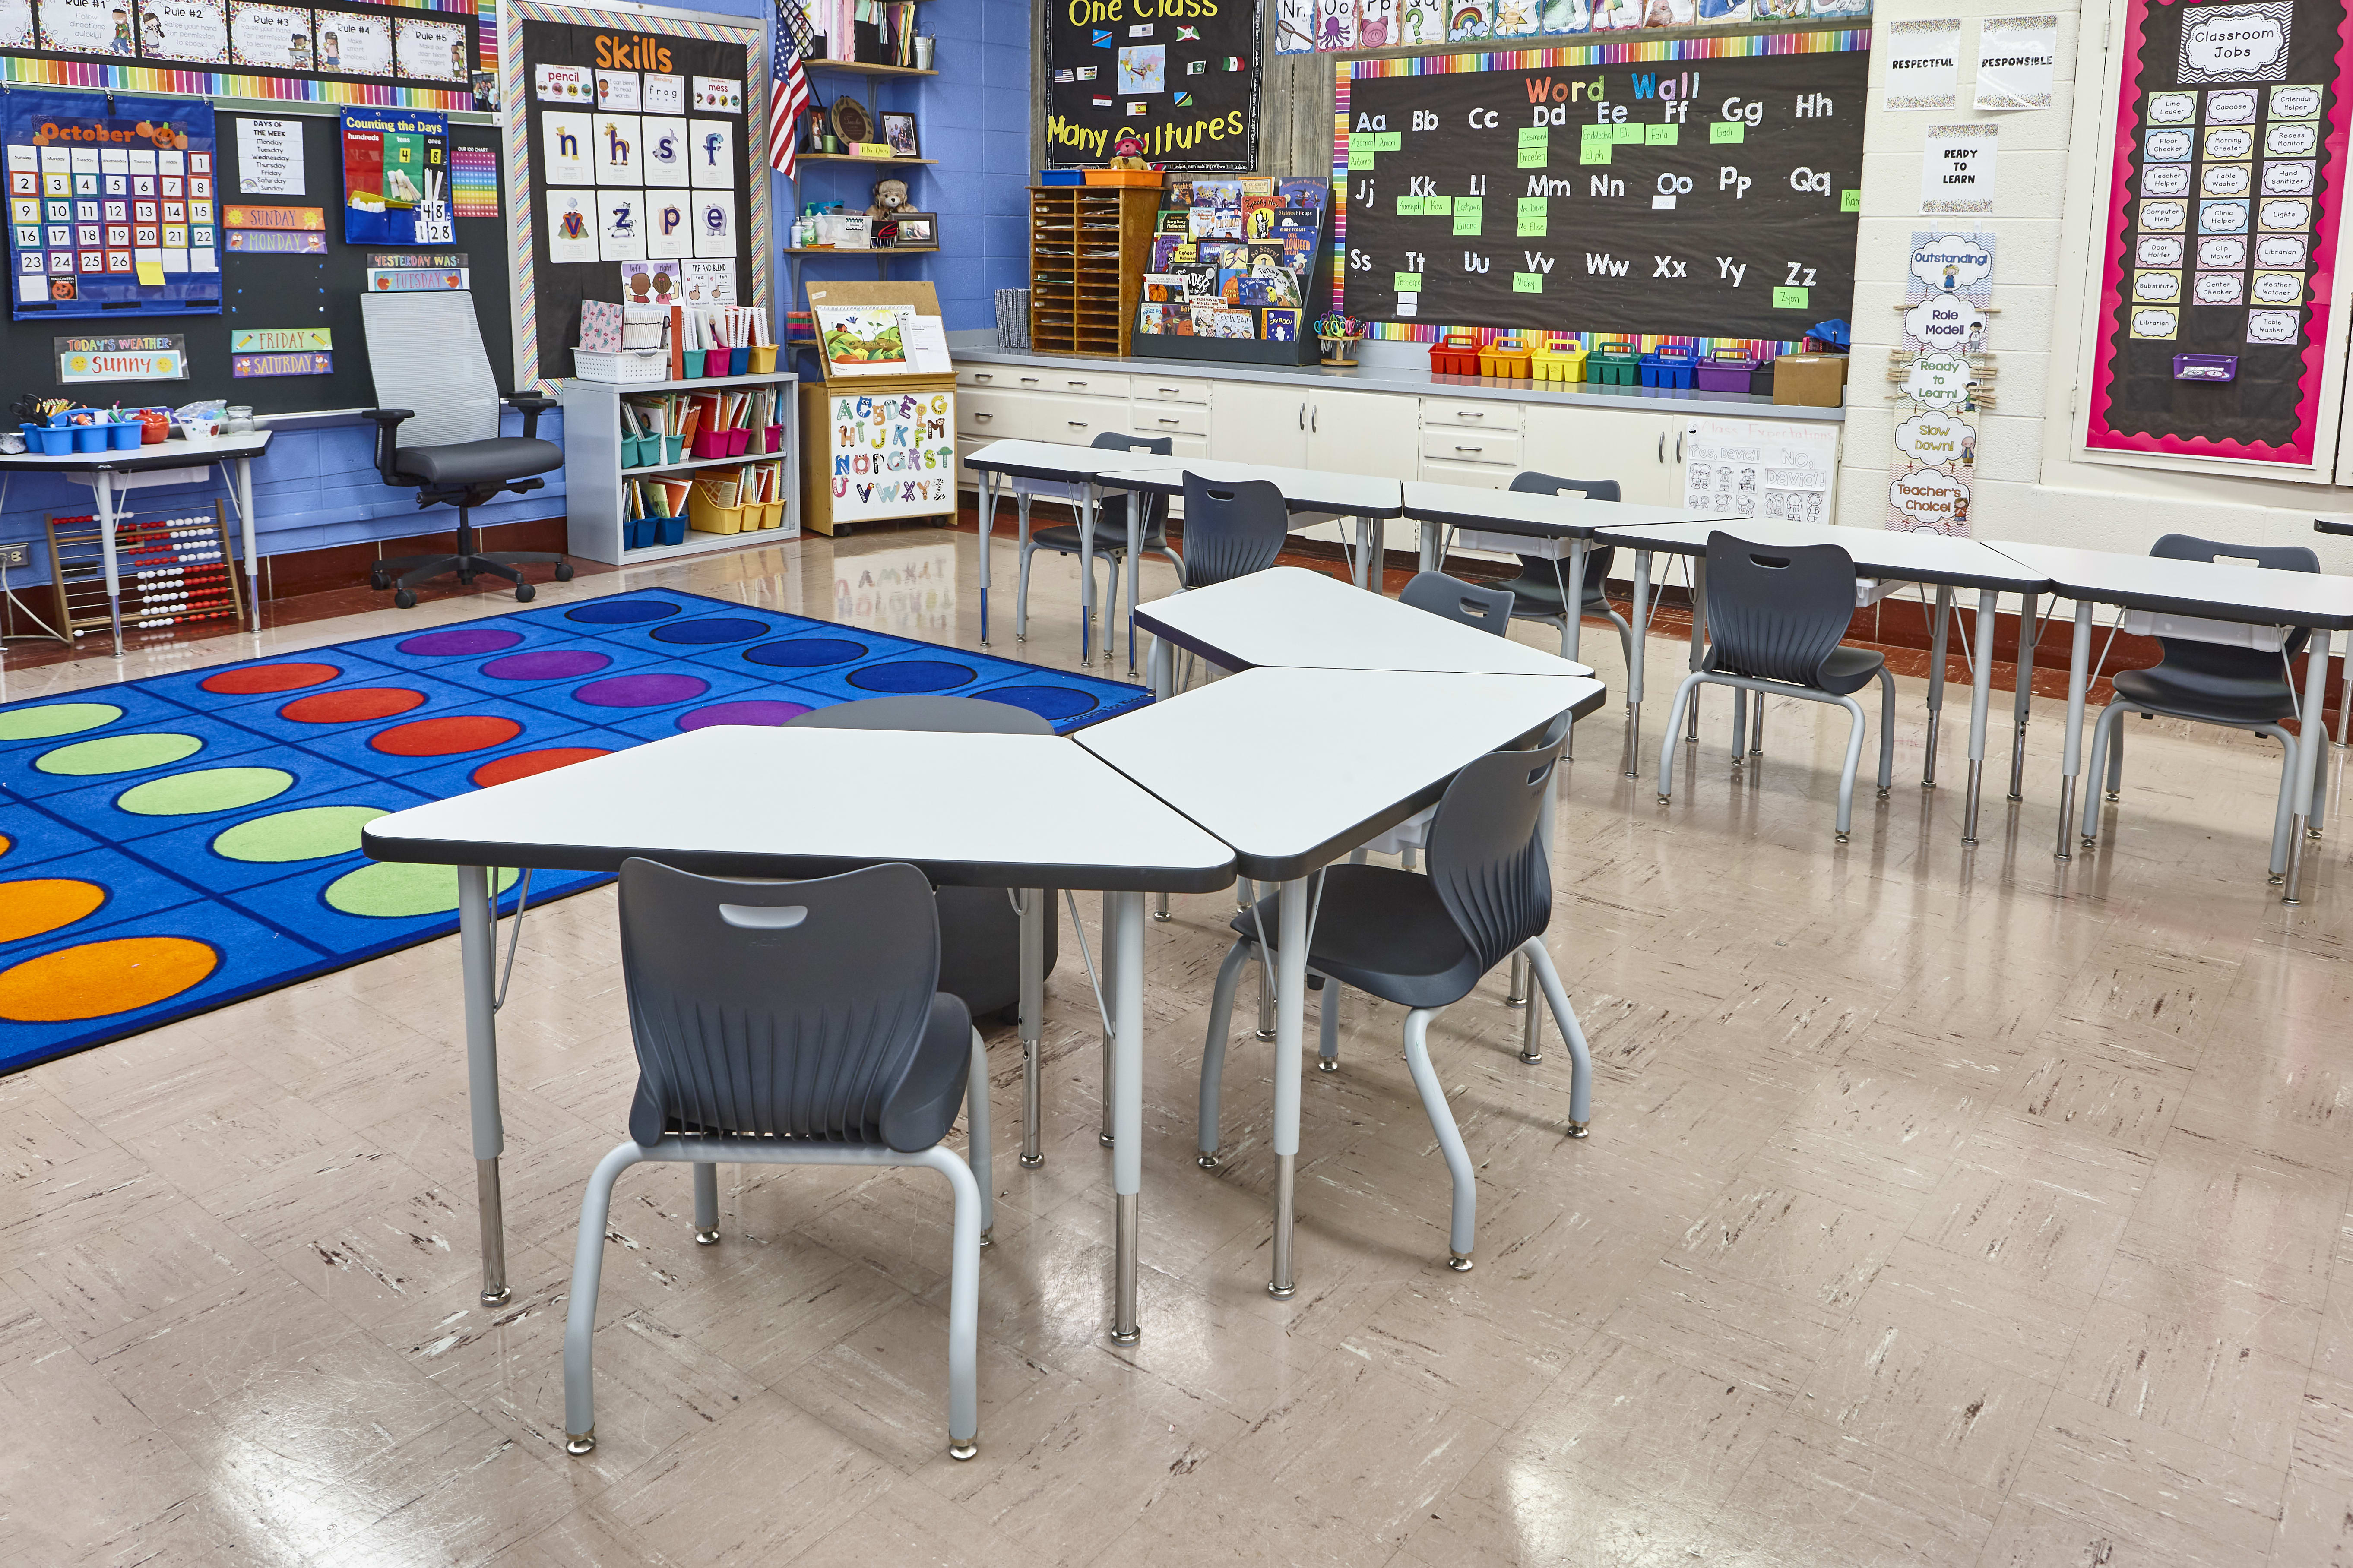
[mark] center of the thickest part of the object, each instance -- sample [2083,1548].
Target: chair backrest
[1776,612]
[951,715]
[426,352]
[1112,510]
[1597,560]
[782,1009]
[1120,441]
[1232,529]
[1486,609]
[2219,659]
[1485,859]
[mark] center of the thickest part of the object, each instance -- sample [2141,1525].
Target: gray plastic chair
[1541,589]
[1423,942]
[2214,683]
[1110,533]
[1467,603]
[1774,619]
[1231,529]
[790,1023]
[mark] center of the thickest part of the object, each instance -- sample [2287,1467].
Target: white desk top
[2222,593]
[1292,617]
[1361,751]
[1020,811]
[1878,553]
[1304,490]
[1053,459]
[175,453]
[1540,516]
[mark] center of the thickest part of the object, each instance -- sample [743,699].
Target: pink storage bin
[709,444]
[737,440]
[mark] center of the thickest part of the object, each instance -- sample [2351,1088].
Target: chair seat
[1382,931]
[1111,531]
[1846,670]
[2212,697]
[1536,596]
[478,462]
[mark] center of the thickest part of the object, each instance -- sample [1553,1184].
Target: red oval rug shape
[523,764]
[260,679]
[353,705]
[445,737]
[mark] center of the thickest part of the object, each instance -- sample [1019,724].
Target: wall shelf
[848,158]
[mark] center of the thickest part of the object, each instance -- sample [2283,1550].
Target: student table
[1063,473]
[962,808]
[1388,745]
[1941,560]
[111,473]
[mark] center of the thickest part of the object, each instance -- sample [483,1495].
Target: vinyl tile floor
[1942,1206]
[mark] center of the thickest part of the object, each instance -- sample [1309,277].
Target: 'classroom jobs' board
[1699,187]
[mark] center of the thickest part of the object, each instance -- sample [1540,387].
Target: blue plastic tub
[90,437]
[51,441]
[124,437]
[669,531]
[739,361]
[1062,176]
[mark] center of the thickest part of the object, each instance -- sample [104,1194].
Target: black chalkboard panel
[1700,197]
[1181,74]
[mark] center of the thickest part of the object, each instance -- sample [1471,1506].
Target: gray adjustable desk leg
[988,519]
[1022,545]
[1942,625]
[1980,699]
[1086,572]
[1160,666]
[252,554]
[1697,578]
[1641,625]
[2345,700]
[2079,669]
[1429,539]
[1573,584]
[2025,699]
[1034,912]
[2312,735]
[478,943]
[1368,542]
[1290,1004]
[1136,500]
[1111,1040]
[1123,935]
[102,492]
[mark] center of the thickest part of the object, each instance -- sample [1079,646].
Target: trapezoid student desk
[885,805]
[1395,741]
[106,473]
[2253,595]
[1054,470]
[1936,559]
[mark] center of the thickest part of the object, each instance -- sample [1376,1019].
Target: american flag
[788,94]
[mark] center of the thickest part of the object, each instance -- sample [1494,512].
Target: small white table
[1311,495]
[2253,595]
[1065,473]
[1393,743]
[181,459]
[1941,560]
[963,808]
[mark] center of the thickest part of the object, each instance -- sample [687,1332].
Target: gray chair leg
[1756,732]
[975,1095]
[580,1317]
[1580,1055]
[1213,1051]
[1110,617]
[1265,996]
[1740,723]
[1846,771]
[2116,773]
[2318,751]
[1327,1023]
[963,1304]
[2284,814]
[706,1204]
[1886,730]
[1462,1226]
[1021,596]
[1625,637]
[2106,733]
[1675,733]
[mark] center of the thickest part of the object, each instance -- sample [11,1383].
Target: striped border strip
[1823,41]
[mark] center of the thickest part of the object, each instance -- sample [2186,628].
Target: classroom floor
[1940,1207]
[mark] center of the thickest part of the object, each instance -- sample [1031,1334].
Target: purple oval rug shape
[547,663]
[754,713]
[642,690]
[462,640]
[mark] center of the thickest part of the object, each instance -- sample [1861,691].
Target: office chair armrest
[387,421]
[531,405]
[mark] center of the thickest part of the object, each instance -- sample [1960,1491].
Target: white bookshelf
[593,471]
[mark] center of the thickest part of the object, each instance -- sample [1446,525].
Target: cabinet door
[1254,423]
[1643,451]
[1365,433]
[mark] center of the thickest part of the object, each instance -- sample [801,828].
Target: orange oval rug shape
[445,737]
[44,903]
[101,977]
[353,706]
[256,679]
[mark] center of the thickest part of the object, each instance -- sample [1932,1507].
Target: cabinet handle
[1029,380]
[1313,414]
[977,376]
[1678,446]
[983,419]
[1171,390]
[1462,449]
[1171,421]
[1303,417]
[1076,424]
[1663,445]
[1470,414]
[1080,385]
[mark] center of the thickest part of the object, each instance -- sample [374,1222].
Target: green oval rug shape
[55,719]
[306,833]
[119,753]
[394,890]
[206,789]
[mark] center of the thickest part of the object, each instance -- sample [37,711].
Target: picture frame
[899,131]
[918,229]
[849,121]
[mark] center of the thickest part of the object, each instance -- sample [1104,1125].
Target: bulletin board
[2224,199]
[1182,76]
[611,200]
[1698,188]
[111,205]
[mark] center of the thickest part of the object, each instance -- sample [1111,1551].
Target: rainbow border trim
[1816,41]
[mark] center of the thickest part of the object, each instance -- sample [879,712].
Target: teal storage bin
[690,365]
[677,445]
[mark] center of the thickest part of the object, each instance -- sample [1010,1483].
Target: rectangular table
[1312,496]
[1386,744]
[1941,560]
[1069,474]
[109,472]
[965,809]
[2319,602]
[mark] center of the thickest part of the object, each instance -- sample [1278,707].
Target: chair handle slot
[763,917]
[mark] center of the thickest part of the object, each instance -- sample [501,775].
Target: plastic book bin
[737,440]
[739,361]
[690,363]
[669,531]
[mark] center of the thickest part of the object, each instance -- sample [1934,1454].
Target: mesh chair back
[1597,560]
[1232,529]
[782,1009]
[425,351]
[1776,612]
[951,715]
[1485,609]
[1112,510]
[1485,857]
[2215,658]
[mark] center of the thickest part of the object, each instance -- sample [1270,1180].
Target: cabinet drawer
[1085,383]
[1454,445]
[1171,418]
[1169,389]
[1002,416]
[1483,476]
[1005,378]
[1470,414]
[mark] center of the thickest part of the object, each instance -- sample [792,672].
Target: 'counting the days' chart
[1701,187]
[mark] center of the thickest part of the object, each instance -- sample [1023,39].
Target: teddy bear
[890,195]
[1127,152]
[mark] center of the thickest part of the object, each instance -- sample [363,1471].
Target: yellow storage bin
[772,514]
[707,516]
[1506,357]
[1558,359]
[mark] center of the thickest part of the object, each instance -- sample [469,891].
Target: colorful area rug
[169,845]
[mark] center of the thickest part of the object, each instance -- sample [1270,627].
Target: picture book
[1281,326]
[1303,192]
[1164,251]
[863,342]
[1258,217]
[1163,287]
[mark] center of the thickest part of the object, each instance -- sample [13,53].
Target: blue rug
[172,845]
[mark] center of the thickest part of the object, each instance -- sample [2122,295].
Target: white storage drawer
[1487,476]
[1171,418]
[1005,416]
[1087,383]
[1169,389]
[1006,378]
[1455,444]
[1470,414]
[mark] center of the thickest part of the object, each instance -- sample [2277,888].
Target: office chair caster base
[1281,1292]
[1131,1337]
[1206,1162]
[1579,1130]
[989,1236]
[526,594]
[583,1443]
[1104,1138]
[707,1238]
[497,1298]
[1323,1065]
[378,582]
[965,1449]
[403,599]
[564,570]
[1032,1162]
[1532,1058]
[1458,1262]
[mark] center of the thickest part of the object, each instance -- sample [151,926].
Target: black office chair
[1539,591]
[1111,531]
[1774,618]
[2237,687]
[1424,942]
[425,351]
